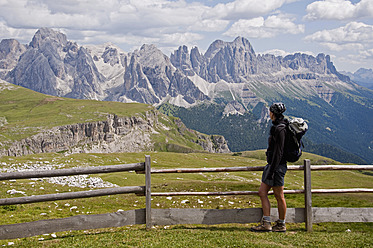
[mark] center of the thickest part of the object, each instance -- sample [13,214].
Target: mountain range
[229,78]
[362,76]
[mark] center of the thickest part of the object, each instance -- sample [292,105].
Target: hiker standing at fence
[274,172]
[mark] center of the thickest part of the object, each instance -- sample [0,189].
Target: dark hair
[277,109]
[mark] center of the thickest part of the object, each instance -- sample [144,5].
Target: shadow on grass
[233,227]
[329,227]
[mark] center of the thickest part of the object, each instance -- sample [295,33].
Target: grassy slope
[28,112]
[186,235]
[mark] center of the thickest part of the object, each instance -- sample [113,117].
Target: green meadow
[28,112]
[228,235]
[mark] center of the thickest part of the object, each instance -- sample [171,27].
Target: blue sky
[343,29]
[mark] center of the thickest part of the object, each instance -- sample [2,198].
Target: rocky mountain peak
[300,60]
[362,76]
[10,51]
[214,48]
[111,56]
[48,35]
[180,56]
[197,59]
[151,56]
[9,46]
[364,73]
[55,66]
[194,53]
[183,60]
[241,42]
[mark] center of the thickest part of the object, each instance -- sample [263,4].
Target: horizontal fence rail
[220,193]
[72,171]
[341,167]
[73,195]
[260,168]
[78,222]
[295,191]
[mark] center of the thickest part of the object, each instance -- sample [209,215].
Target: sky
[342,29]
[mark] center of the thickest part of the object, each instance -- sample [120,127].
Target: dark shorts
[278,178]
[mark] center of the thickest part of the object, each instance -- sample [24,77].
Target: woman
[274,172]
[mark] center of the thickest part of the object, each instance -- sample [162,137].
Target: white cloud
[210,25]
[357,59]
[342,47]
[276,52]
[353,42]
[352,36]
[361,59]
[16,33]
[364,56]
[339,10]
[282,53]
[180,38]
[139,21]
[155,14]
[36,14]
[367,54]
[244,9]
[165,42]
[265,28]
[159,22]
[134,22]
[140,17]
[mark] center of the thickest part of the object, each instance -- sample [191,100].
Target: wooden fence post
[307,195]
[148,195]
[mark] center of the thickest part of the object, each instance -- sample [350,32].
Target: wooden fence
[151,217]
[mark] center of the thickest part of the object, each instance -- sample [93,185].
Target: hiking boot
[265,226]
[279,227]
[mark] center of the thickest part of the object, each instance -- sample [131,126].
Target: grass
[27,112]
[232,235]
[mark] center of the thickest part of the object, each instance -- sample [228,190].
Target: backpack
[295,129]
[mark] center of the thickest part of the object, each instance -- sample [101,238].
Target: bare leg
[265,225]
[263,194]
[281,203]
